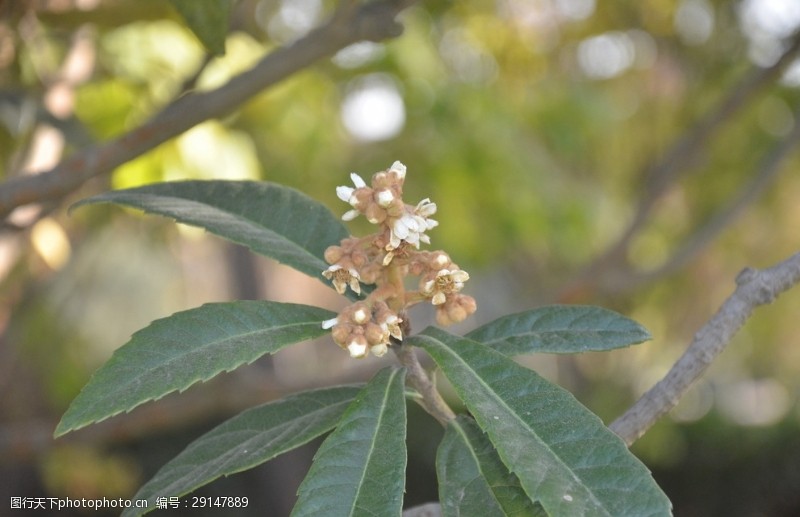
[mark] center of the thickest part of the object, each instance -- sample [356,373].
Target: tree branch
[681,156]
[353,22]
[754,288]
[767,172]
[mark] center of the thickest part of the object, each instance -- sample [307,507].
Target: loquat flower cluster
[384,259]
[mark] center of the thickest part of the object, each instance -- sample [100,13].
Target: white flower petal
[442,259]
[379,350]
[425,208]
[350,215]
[394,241]
[357,180]
[329,323]
[459,276]
[357,349]
[344,193]
[406,225]
[438,298]
[396,333]
[360,316]
[399,168]
[421,223]
[413,222]
[385,198]
[400,229]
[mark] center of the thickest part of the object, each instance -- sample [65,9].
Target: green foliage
[536,166]
[532,449]
[208,19]
[273,220]
[560,329]
[473,479]
[564,456]
[248,440]
[195,345]
[360,468]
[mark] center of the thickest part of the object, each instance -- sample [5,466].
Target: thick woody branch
[754,288]
[353,22]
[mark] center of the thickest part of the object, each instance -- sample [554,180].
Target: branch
[682,155]
[754,288]
[768,170]
[431,400]
[353,22]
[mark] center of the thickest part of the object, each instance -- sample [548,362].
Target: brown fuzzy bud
[333,254]
[375,334]
[375,214]
[340,334]
[455,309]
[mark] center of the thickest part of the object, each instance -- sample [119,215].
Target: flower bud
[357,347]
[375,334]
[340,333]
[379,350]
[361,315]
[333,254]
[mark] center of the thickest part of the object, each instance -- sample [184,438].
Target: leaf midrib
[536,334]
[474,456]
[374,439]
[111,394]
[205,206]
[524,424]
[250,440]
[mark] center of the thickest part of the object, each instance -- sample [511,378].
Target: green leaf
[560,329]
[360,468]
[563,455]
[472,478]
[208,19]
[247,440]
[175,352]
[270,219]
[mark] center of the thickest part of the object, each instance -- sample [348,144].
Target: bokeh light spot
[373,109]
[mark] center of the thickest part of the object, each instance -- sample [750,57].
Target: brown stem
[676,163]
[754,288]
[354,21]
[431,400]
[394,278]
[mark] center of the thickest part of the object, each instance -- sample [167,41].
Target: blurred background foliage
[535,126]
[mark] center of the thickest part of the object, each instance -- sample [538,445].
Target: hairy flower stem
[431,401]
[395,278]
